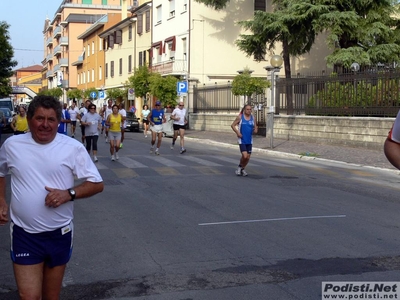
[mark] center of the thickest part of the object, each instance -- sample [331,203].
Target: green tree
[6,60]
[87,92]
[245,85]
[117,93]
[164,88]
[54,92]
[140,82]
[74,94]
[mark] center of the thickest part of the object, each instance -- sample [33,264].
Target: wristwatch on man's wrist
[72,193]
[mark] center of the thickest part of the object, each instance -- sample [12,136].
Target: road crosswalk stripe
[201,161]
[165,161]
[131,163]
[125,173]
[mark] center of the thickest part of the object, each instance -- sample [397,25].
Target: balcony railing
[49,41]
[56,68]
[57,32]
[57,50]
[49,57]
[63,62]
[49,73]
[64,41]
[171,67]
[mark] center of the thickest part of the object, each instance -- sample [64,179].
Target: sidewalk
[360,156]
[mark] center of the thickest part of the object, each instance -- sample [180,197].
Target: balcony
[49,73]
[56,68]
[64,41]
[49,41]
[49,57]
[57,32]
[64,23]
[171,67]
[78,62]
[63,62]
[57,50]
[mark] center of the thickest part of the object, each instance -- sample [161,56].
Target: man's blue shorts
[54,248]
[245,148]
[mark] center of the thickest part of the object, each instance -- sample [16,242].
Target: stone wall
[350,131]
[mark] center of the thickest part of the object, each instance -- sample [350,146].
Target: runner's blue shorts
[54,248]
[245,148]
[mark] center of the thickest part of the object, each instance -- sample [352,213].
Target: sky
[26,19]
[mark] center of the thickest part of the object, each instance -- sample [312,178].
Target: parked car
[7,119]
[132,122]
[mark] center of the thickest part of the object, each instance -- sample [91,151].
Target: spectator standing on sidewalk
[114,122]
[43,167]
[156,119]
[180,121]
[92,123]
[19,123]
[122,112]
[244,126]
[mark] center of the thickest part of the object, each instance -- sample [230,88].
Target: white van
[7,103]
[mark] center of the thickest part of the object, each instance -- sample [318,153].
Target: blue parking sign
[182,87]
[101,94]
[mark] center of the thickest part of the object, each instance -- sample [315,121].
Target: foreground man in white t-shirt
[43,165]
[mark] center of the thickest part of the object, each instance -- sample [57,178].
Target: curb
[291,155]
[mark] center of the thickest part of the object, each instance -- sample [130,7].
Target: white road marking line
[270,220]
[201,161]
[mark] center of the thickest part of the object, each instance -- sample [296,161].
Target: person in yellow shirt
[20,123]
[114,122]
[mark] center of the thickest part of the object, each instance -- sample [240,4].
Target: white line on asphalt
[270,220]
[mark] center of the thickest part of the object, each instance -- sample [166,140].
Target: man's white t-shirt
[73,113]
[34,166]
[181,113]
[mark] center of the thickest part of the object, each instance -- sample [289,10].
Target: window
[148,21]
[118,37]
[88,50]
[260,5]
[112,69]
[84,77]
[171,8]
[92,75]
[110,41]
[159,14]
[88,76]
[104,2]
[92,47]
[120,66]
[184,47]
[140,24]
[130,32]
[100,73]
[86,1]
[101,41]
[79,79]
[140,59]
[106,70]
[130,64]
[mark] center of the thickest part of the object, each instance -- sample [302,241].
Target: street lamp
[276,64]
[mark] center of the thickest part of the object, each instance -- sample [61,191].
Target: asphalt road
[185,227]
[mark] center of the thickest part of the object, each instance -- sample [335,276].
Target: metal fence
[373,92]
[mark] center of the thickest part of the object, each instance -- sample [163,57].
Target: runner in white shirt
[73,114]
[180,121]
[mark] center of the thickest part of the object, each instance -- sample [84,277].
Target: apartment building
[90,64]
[61,45]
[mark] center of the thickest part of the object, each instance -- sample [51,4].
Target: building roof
[34,68]
[98,24]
